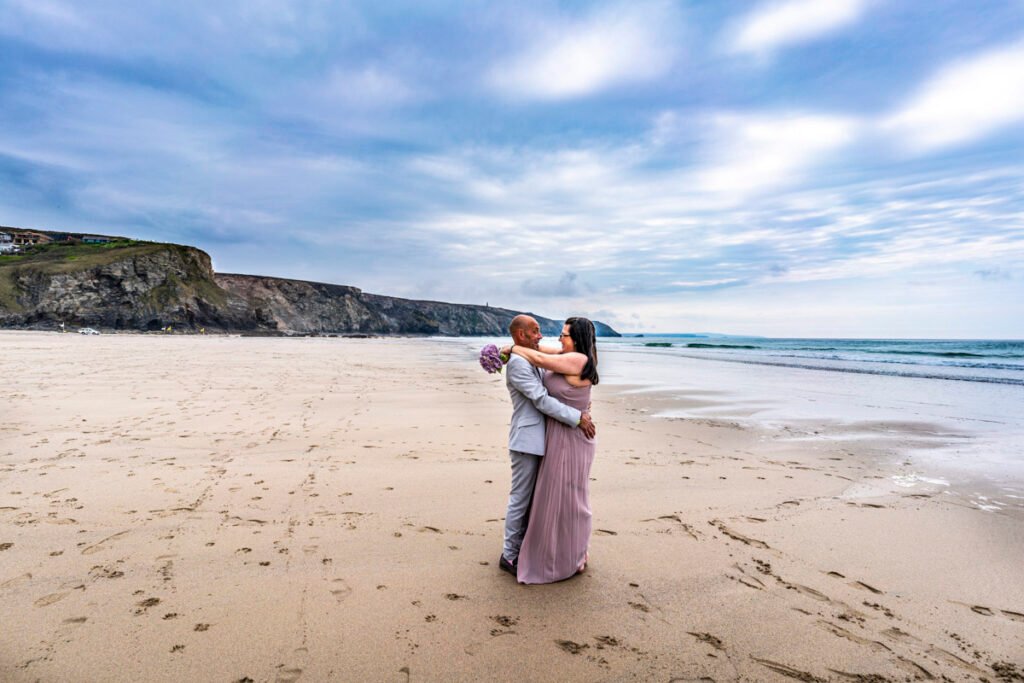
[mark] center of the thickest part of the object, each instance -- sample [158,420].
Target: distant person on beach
[557,536]
[526,441]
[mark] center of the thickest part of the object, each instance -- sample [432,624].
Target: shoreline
[332,509]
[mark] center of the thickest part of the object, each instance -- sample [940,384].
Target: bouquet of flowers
[491,359]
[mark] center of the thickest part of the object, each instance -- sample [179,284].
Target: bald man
[530,403]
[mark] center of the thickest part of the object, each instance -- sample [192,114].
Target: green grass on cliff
[61,258]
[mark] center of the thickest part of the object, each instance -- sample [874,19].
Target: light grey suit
[530,403]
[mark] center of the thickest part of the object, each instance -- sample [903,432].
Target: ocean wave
[872,371]
[858,351]
[909,361]
[719,346]
[896,352]
[942,354]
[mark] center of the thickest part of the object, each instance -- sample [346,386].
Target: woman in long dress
[558,531]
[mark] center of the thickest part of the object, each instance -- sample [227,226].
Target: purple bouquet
[490,359]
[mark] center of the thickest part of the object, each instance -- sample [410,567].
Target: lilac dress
[558,532]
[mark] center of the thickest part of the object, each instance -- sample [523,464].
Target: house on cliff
[26,238]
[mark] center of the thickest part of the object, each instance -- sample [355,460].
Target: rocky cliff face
[312,308]
[141,287]
[150,286]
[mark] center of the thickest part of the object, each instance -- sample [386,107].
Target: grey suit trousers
[524,476]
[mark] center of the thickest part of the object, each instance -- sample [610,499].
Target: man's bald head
[520,322]
[525,331]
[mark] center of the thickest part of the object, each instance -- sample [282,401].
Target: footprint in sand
[292,673]
[711,640]
[16,580]
[989,612]
[571,647]
[809,592]
[146,604]
[50,599]
[505,620]
[841,632]
[102,545]
[340,589]
[736,536]
[786,670]
[863,586]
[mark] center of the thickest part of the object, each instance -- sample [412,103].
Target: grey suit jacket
[530,403]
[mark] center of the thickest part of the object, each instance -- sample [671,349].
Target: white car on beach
[88,330]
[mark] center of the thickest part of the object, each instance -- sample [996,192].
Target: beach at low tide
[225,508]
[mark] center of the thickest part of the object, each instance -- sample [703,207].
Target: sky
[794,168]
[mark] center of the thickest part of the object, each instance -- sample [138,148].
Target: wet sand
[224,509]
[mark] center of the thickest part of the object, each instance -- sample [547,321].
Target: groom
[530,403]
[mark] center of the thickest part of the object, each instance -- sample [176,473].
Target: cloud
[780,24]
[632,228]
[47,12]
[993,274]
[565,286]
[632,43]
[185,32]
[751,153]
[964,101]
[708,284]
[367,87]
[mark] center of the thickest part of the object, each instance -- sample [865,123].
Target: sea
[953,410]
[980,360]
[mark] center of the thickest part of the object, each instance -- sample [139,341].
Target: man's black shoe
[506,566]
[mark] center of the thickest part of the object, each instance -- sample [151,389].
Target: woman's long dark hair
[584,338]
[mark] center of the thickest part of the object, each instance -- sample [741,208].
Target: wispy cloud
[993,274]
[776,25]
[964,101]
[567,285]
[629,43]
[708,284]
[366,87]
[751,153]
[45,12]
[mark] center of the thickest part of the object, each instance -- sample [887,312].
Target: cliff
[125,285]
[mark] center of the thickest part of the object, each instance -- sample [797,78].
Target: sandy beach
[267,509]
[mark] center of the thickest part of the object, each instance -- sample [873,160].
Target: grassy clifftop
[59,258]
[66,257]
[120,284]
